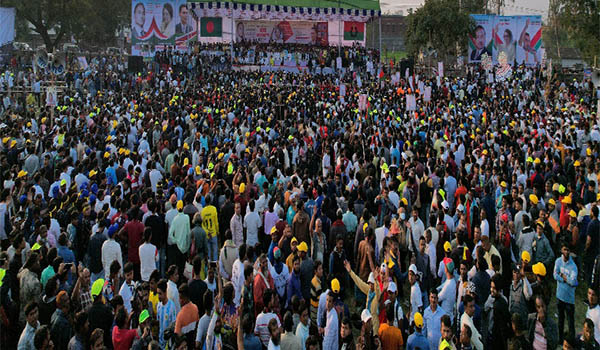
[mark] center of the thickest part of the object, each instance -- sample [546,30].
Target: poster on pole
[505,38]
[158,24]
[51,96]
[480,41]
[529,40]
[362,102]
[342,90]
[441,69]
[295,32]
[411,102]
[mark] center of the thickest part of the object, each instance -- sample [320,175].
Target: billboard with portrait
[505,38]
[480,41]
[529,43]
[157,24]
[297,32]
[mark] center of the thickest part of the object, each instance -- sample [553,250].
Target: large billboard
[519,37]
[156,24]
[7,25]
[297,32]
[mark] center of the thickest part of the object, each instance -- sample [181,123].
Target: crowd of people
[183,207]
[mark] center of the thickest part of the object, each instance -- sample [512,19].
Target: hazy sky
[516,7]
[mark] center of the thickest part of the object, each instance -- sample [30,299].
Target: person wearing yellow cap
[542,251]
[210,224]
[179,235]
[417,340]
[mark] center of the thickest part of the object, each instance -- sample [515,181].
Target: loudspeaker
[135,64]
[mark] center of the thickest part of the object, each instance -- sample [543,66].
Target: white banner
[282,32]
[51,96]
[7,25]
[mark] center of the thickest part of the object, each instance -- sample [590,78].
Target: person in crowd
[565,274]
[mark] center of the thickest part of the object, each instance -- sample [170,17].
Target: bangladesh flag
[211,27]
[354,31]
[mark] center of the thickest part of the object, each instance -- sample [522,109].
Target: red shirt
[135,231]
[123,338]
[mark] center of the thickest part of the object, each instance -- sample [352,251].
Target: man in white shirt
[262,320]
[447,291]
[467,319]
[172,291]
[128,287]
[252,223]
[148,256]
[331,335]
[417,229]
[237,275]
[416,298]
[593,312]
[111,251]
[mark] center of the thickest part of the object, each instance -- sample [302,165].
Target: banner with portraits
[297,32]
[158,24]
[518,37]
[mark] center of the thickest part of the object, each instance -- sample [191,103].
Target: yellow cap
[293,241]
[303,247]
[561,189]
[365,227]
[577,163]
[572,214]
[106,154]
[537,161]
[21,174]
[186,146]
[447,246]
[404,201]
[588,151]
[92,173]
[36,246]
[179,204]
[13,143]
[551,201]
[525,256]
[418,320]
[108,138]
[539,269]
[533,198]
[198,170]
[186,161]
[503,184]
[567,200]
[529,160]
[97,287]
[335,285]
[242,187]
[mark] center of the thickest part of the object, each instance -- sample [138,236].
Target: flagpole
[339,29]
[232,38]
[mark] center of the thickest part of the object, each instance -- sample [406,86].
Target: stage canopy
[289,10]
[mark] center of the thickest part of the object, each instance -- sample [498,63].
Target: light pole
[232,37]
[340,33]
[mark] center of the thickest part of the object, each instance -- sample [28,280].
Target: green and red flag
[354,31]
[211,27]
[536,41]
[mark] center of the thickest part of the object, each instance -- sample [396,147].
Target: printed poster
[297,32]
[480,41]
[529,40]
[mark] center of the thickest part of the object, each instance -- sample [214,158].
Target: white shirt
[475,336]
[126,292]
[173,294]
[111,251]
[331,337]
[416,300]
[148,259]
[447,297]
[272,346]
[252,224]
[485,228]
[262,326]
[594,315]
[237,278]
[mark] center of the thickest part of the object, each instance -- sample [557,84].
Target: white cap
[460,207]
[365,316]
[412,268]
[383,267]
[392,287]
[445,205]
[371,278]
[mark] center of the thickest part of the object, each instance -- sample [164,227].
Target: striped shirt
[166,315]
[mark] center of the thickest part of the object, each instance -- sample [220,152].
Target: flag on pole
[211,27]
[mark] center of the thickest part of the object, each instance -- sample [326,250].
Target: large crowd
[192,206]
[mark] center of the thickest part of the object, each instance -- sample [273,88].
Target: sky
[516,7]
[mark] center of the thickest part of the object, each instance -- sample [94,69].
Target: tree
[87,20]
[46,15]
[581,19]
[438,24]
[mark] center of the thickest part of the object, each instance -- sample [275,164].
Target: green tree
[438,24]
[581,20]
[92,21]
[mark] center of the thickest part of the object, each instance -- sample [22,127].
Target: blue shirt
[417,340]
[251,342]
[565,291]
[293,287]
[433,325]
